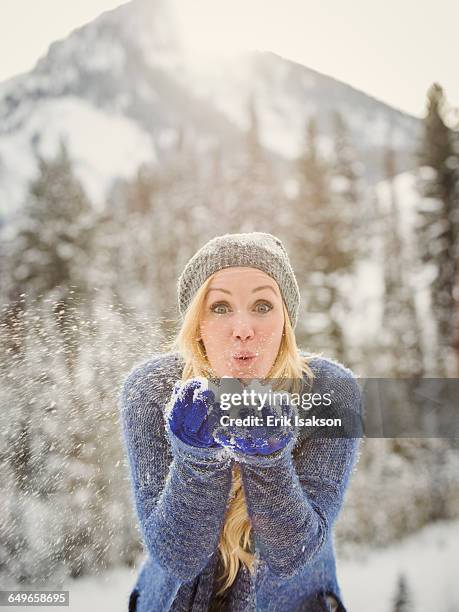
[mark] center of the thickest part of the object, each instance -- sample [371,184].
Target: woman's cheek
[213,333]
[213,329]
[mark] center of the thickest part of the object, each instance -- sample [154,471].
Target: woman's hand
[260,439]
[192,413]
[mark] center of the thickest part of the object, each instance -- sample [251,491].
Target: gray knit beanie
[254,250]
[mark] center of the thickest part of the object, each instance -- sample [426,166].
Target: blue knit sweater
[181,495]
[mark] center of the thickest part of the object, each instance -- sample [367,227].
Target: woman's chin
[248,371]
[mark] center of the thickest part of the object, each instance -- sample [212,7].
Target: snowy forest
[87,291]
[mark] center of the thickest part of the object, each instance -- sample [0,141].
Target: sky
[392,50]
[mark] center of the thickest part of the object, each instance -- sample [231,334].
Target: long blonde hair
[290,365]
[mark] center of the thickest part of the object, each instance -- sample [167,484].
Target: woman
[231,525]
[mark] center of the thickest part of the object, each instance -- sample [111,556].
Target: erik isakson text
[278,421]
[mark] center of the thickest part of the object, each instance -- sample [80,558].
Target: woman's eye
[265,307]
[215,306]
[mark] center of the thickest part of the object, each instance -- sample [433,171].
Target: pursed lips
[244,356]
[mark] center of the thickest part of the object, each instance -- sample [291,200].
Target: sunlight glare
[212,31]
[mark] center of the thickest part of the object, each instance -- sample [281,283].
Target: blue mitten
[261,439]
[192,413]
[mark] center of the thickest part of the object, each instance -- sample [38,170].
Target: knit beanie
[255,250]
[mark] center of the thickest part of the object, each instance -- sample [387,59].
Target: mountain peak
[129,72]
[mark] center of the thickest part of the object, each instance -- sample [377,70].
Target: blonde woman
[236,523]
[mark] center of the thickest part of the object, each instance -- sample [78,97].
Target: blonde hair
[290,365]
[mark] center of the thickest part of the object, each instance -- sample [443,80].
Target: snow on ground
[428,559]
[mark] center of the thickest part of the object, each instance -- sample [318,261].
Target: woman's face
[242,314]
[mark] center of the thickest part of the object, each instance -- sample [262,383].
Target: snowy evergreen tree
[349,198]
[159,218]
[52,242]
[251,188]
[402,601]
[399,353]
[438,227]
[50,252]
[322,244]
[350,188]
[255,152]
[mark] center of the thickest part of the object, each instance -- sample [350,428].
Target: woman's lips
[244,360]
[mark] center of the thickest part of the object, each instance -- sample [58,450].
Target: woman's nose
[242,329]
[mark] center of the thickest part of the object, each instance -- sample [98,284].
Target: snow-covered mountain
[121,88]
[286,94]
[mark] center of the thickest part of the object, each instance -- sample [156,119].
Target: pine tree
[53,240]
[167,222]
[400,336]
[322,245]
[255,189]
[346,167]
[50,253]
[438,227]
[245,193]
[254,147]
[348,187]
[349,198]
[402,600]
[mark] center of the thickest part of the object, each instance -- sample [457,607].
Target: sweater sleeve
[180,491]
[293,498]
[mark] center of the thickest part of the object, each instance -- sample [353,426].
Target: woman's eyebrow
[253,290]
